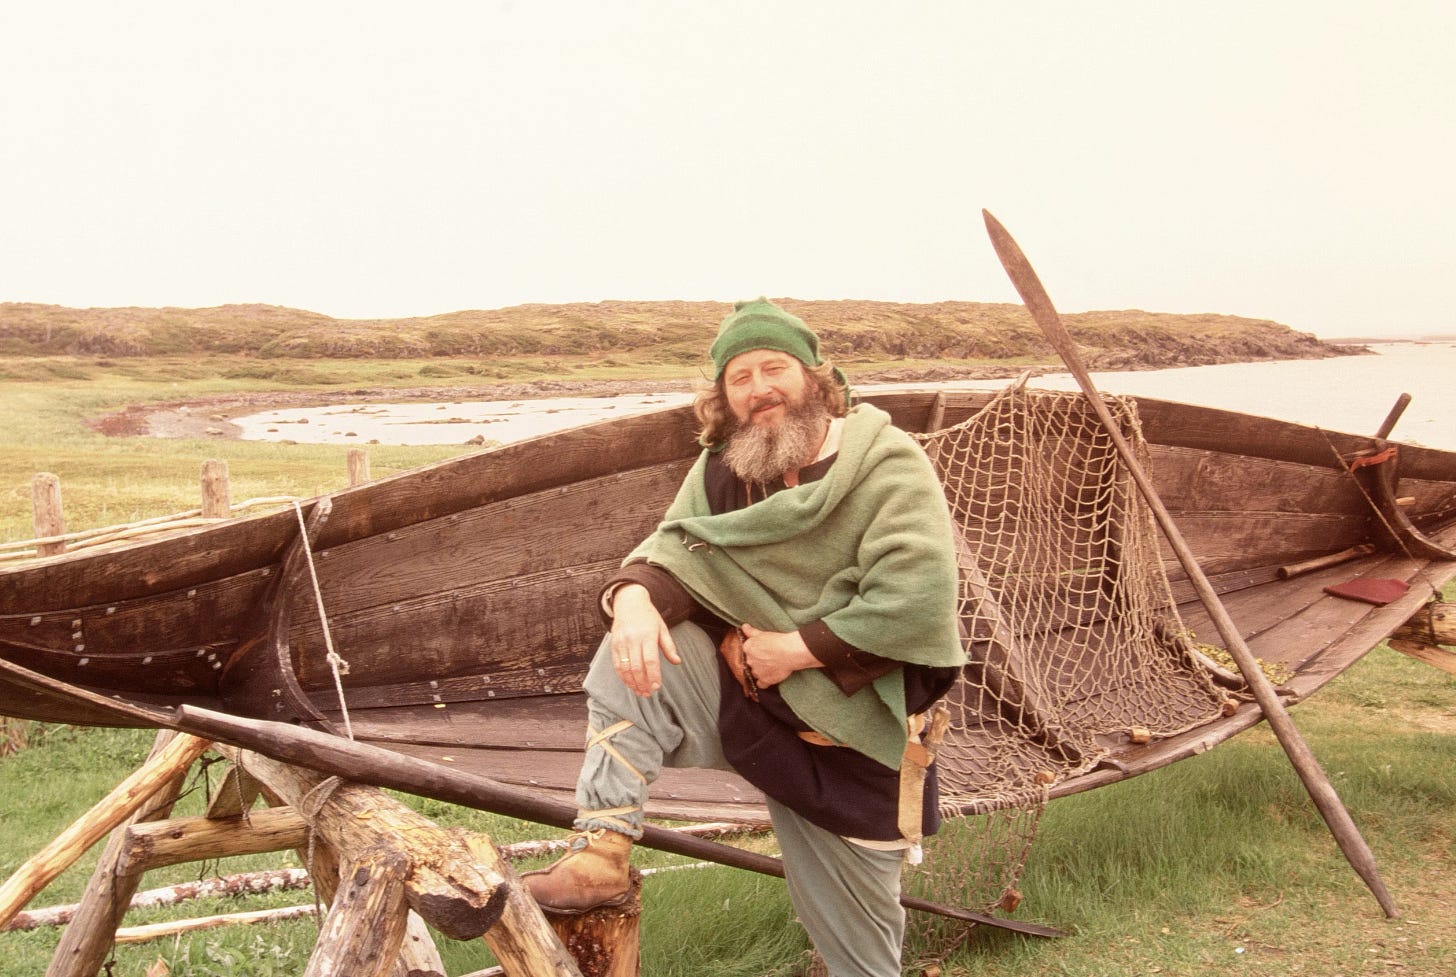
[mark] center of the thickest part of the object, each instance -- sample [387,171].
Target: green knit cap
[762,325]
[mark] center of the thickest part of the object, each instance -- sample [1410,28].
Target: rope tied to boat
[310,805]
[1348,466]
[337,665]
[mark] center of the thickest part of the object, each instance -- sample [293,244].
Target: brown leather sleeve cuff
[847,667]
[672,601]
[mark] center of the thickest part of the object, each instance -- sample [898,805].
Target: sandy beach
[452,422]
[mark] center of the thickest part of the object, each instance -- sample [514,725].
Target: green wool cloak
[866,549]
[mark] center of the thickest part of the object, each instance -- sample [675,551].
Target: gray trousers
[847,896]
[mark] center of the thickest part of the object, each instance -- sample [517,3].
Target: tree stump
[606,942]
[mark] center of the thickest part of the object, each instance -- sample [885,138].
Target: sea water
[1351,394]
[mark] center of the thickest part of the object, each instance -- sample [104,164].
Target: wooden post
[457,880]
[216,501]
[418,955]
[358,466]
[365,926]
[38,872]
[45,502]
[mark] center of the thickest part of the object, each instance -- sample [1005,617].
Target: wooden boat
[462,595]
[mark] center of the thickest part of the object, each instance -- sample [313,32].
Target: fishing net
[1072,634]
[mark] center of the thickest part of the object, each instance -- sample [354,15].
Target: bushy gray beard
[761,454]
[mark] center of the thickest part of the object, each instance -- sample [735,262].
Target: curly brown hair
[715,418]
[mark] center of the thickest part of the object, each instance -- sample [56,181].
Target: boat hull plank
[1199,481]
[1230,541]
[532,624]
[141,571]
[510,471]
[595,520]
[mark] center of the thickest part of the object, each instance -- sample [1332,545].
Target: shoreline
[213,417]
[239,416]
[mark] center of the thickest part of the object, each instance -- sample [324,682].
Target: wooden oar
[1039,304]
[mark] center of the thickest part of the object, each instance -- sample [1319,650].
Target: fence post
[45,501]
[216,502]
[358,466]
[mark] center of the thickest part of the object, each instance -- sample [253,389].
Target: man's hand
[775,655]
[640,639]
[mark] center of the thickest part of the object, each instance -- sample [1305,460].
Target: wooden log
[458,882]
[418,955]
[1321,562]
[449,889]
[176,927]
[216,501]
[1433,655]
[117,806]
[195,839]
[1433,624]
[362,933]
[715,829]
[372,764]
[358,459]
[240,884]
[607,941]
[88,940]
[45,501]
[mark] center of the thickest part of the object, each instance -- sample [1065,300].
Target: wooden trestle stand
[383,870]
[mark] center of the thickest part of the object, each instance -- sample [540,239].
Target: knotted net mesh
[1071,631]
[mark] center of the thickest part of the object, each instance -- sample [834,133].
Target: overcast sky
[1291,161]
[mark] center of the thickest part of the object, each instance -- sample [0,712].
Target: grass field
[1217,865]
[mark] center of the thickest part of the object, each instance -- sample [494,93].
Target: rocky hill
[648,332]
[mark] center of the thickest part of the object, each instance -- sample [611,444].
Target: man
[812,541]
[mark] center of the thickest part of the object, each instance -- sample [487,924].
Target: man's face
[763,386]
